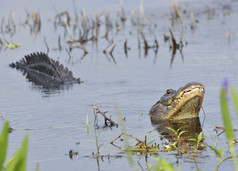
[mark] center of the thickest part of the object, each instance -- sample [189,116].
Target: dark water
[54,119]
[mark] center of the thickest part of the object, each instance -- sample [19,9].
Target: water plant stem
[228,125]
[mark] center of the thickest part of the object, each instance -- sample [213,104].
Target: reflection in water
[174,50]
[42,85]
[192,128]
[49,91]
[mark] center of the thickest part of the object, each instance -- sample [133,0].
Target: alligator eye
[169,91]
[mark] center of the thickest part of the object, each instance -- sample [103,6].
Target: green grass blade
[228,126]
[235,100]
[19,161]
[226,116]
[3,144]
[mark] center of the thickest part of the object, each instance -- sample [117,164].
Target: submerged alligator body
[179,104]
[42,70]
[190,127]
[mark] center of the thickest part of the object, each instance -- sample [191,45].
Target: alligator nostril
[169,91]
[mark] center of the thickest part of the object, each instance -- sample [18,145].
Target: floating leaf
[12,46]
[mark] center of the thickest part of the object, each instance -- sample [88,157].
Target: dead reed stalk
[106,119]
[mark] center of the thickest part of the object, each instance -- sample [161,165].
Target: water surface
[54,119]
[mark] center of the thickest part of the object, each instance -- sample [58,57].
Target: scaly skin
[179,104]
[42,70]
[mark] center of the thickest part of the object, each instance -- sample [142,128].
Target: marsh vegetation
[127,55]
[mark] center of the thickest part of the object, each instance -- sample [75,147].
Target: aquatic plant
[172,145]
[224,98]
[142,146]
[12,46]
[122,127]
[161,165]
[177,132]
[18,161]
[219,153]
[198,140]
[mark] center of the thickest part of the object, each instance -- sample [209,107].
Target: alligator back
[40,69]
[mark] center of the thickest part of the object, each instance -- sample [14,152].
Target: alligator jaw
[184,103]
[187,102]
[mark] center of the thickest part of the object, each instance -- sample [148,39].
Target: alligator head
[180,104]
[42,70]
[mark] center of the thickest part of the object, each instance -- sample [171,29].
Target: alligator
[42,70]
[183,103]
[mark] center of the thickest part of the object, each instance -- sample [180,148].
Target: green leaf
[221,152]
[235,100]
[3,144]
[180,133]
[149,165]
[218,153]
[162,164]
[192,139]
[171,129]
[200,137]
[19,161]
[226,116]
